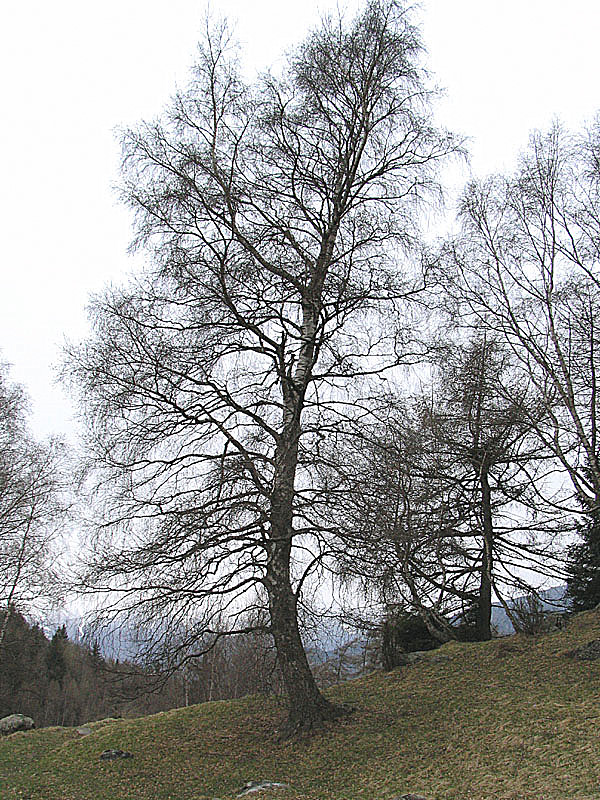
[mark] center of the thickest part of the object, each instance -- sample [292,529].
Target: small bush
[531,618]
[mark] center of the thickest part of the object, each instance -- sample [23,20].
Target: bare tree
[441,498]
[527,267]
[32,507]
[483,414]
[276,214]
[398,500]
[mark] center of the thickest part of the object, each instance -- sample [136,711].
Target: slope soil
[510,719]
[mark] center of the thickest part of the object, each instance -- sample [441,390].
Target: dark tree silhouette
[583,584]
[55,655]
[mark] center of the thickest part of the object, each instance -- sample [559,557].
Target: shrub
[583,585]
[531,618]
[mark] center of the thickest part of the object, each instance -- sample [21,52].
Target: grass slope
[511,719]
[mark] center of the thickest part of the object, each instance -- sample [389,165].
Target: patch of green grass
[513,719]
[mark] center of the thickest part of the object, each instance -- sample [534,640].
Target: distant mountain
[331,642]
[340,654]
[553,599]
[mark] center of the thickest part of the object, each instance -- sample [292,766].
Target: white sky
[73,71]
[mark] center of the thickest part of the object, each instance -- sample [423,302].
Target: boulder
[84,730]
[425,655]
[111,755]
[411,797]
[555,621]
[14,723]
[260,786]
[588,652]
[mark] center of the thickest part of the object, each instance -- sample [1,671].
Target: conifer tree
[583,585]
[55,656]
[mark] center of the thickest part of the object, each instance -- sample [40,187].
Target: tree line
[65,681]
[299,389]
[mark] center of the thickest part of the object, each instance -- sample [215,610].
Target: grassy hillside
[513,719]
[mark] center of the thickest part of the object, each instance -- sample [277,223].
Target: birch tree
[33,508]
[276,215]
[528,267]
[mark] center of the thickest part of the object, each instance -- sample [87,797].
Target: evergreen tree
[403,633]
[55,656]
[583,584]
[95,658]
[23,680]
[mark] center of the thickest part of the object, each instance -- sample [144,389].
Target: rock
[425,655]
[411,797]
[589,651]
[414,657]
[14,723]
[260,786]
[110,755]
[84,730]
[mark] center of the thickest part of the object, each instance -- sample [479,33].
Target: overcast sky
[73,71]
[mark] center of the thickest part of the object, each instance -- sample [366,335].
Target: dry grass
[513,719]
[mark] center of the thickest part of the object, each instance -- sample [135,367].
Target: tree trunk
[307,708]
[4,625]
[484,611]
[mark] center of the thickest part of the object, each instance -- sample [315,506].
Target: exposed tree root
[303,722]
